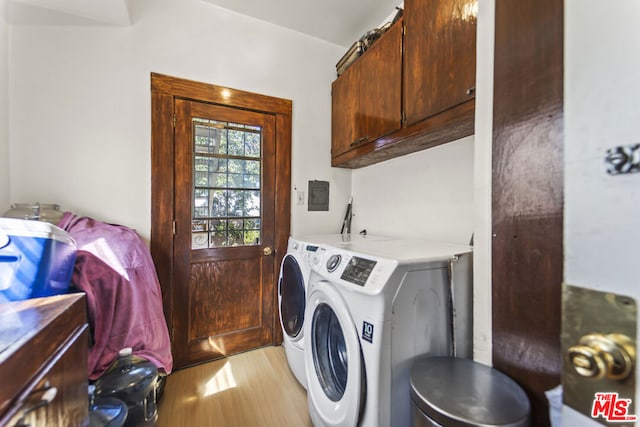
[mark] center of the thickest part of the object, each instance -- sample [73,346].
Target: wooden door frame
[164,91]
[527,197]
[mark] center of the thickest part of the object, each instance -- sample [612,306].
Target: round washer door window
[292,296]
[329,352]
[336,378]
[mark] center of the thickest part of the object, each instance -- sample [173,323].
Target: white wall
[428,194]
[602,212]
[482,183]
[80,124]
[443,192]
[80,101]
[4,108]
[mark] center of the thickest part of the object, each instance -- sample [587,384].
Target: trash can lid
[461,392]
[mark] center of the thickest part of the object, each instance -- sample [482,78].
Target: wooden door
[224,206]
[221,206]
[440,56]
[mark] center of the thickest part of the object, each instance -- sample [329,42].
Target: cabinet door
[440,56]
[344,106]
[381,86]
[64,381]
[366,98]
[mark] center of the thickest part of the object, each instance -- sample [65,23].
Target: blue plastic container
[36,259]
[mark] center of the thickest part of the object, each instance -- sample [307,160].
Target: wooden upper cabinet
[366,98]
[345,102]
[440,56]
[408,92]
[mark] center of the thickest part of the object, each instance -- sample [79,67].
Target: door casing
[528,197]
[164,91]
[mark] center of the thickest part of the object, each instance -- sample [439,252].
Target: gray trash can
[449,392]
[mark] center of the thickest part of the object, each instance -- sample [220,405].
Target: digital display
[358,270]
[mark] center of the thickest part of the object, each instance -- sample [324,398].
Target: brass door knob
[600,356]
[267,250]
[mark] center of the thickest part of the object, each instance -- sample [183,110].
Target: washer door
[291,288]
[335,374]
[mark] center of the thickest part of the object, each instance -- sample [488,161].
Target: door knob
[599,356]
[267,250]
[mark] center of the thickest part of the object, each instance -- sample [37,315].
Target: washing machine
[292,298]
[372,307]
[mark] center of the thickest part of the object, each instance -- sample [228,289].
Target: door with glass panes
[224,209]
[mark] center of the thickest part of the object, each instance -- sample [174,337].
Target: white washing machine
[292,300]
[372,306]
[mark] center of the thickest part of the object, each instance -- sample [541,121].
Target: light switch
[300,197]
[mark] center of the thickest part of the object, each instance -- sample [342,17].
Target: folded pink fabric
[115,269]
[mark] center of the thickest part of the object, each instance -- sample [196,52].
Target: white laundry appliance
[373,305]
[292,299]
[293,285]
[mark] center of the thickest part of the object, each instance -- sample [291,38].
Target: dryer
[292,299]
[293,283]
[372,307]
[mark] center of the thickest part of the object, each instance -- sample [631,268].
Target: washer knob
[333,262]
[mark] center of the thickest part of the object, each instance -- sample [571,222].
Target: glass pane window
[209,136]
[252,145]
[210,171]
[243,173]
[226,184]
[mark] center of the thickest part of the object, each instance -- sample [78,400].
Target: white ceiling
[115,12]
[337,21]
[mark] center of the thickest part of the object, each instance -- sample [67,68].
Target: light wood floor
[249,389]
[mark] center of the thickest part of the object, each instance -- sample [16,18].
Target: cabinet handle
[359,141]
[471,90]
[47,397]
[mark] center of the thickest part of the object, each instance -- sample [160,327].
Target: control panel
[312,254]
[349,268]
[358,270]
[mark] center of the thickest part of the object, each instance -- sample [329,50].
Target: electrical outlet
[300,197]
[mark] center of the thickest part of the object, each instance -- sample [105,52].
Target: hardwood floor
[255,388]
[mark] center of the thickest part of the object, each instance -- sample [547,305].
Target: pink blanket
[114,268]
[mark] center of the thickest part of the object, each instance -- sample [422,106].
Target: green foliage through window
[226,184]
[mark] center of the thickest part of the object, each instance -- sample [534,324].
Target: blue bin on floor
[36,259]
